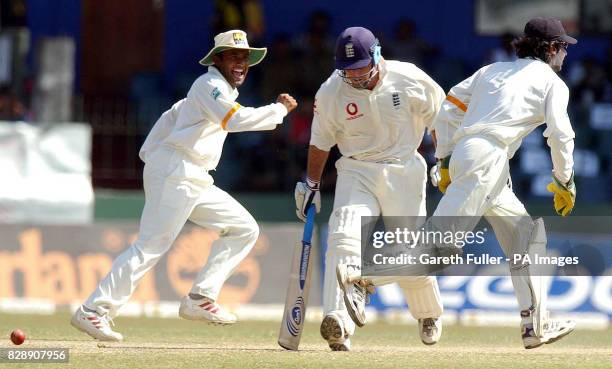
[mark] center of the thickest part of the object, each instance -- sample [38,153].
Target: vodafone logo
[352,110]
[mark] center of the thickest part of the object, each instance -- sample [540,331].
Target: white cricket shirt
[381,125]
[506,101]
[198,124]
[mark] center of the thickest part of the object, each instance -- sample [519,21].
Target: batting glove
[306,193]
[439,174]
[564,195]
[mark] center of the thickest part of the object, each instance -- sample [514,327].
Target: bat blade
[296,300]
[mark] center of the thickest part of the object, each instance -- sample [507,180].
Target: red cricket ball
[17,336]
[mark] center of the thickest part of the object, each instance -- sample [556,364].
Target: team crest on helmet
[349,50]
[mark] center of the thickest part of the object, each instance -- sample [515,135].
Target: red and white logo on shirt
[352,110]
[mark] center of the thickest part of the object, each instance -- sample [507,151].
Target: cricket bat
[296,301]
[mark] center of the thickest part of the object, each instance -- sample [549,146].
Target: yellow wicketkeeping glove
[564,195]
[444,175]
[439,174]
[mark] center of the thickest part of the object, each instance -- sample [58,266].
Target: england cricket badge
[349,50]
[395,99]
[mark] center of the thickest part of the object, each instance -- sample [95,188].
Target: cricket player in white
[482,124]
[183,146]
[376,111]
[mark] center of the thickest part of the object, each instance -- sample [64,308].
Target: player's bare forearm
[316,162]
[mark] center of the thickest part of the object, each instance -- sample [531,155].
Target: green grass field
[174,343]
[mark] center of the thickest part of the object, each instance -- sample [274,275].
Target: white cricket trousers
[177,190]
[372,189]
[481,186]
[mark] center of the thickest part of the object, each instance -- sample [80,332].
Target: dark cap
[547,29]
[354,48]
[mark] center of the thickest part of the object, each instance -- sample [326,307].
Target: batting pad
[332,295]
[423,296]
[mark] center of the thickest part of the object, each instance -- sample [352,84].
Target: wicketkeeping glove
[564,195]
[306,193]
[439,174]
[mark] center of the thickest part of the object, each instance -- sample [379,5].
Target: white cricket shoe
[553,330]
[430,330]
[95,324]
[355,292]
[205,309]
[336,329]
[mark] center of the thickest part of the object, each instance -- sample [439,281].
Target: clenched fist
[288,101]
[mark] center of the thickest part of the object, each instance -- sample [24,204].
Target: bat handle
[310,215]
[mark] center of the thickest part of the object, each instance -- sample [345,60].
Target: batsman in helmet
[376,111]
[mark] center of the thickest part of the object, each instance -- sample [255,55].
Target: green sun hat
[234,39]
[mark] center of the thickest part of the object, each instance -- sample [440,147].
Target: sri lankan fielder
[376,111]
[181,149]
[479,128]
